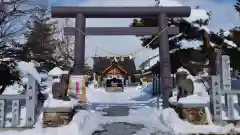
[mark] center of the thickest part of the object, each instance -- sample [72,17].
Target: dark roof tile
[101,63]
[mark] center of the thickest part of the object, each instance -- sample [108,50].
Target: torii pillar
[81,13]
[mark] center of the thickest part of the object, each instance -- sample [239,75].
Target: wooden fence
[13,104]
[156,84]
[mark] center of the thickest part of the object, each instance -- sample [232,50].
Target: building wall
[150,62]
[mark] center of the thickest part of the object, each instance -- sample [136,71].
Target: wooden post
[99,82]
[83,95]
[153,84]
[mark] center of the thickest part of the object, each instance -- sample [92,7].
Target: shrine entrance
[79,31]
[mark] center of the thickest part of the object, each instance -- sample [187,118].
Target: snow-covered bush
[9,75]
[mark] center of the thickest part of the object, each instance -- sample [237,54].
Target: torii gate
[81,13]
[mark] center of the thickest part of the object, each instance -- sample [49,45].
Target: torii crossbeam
[81,13]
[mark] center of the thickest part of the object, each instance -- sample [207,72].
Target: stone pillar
[165,67]
[226,85]
[215,99]
[79,49]
[30,102]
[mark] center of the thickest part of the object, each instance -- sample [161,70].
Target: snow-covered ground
[155,120]
[142,111]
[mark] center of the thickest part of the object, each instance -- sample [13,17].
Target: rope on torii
[127,54]
[132,53]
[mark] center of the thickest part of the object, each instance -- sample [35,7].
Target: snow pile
[171,120]
[50,102]
[191,99]
[14,89]
[26,68]
[55,72]
[73,128]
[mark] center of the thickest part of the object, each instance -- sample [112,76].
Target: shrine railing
[20,110]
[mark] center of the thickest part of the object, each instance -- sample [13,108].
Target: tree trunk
[211,54]
[2,89]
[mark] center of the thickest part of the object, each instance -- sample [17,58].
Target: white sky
[224,19]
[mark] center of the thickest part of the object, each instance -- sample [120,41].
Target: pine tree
[188,31]
[41,44]
[237,6]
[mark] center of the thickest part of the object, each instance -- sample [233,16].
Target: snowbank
[50,102]
[192,99]
[171,120]
[28,68]
[74,127]
[14,89]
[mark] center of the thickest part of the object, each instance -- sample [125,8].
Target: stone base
[114,89]
[195,116]
[56,117]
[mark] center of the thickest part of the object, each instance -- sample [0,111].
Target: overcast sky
[224,16]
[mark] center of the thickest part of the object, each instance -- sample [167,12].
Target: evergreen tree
[237,6]
[188,31]
[41,44]
[11,12]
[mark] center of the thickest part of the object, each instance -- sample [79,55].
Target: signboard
[30,101]
[216,99]
[226,85]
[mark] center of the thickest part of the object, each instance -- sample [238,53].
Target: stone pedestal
[114,89]
[193,112]
[195,116]
[56,117]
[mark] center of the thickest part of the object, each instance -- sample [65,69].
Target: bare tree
[65,48]
[12,13]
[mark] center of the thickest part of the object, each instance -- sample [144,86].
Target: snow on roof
[55,72]
[26,68]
